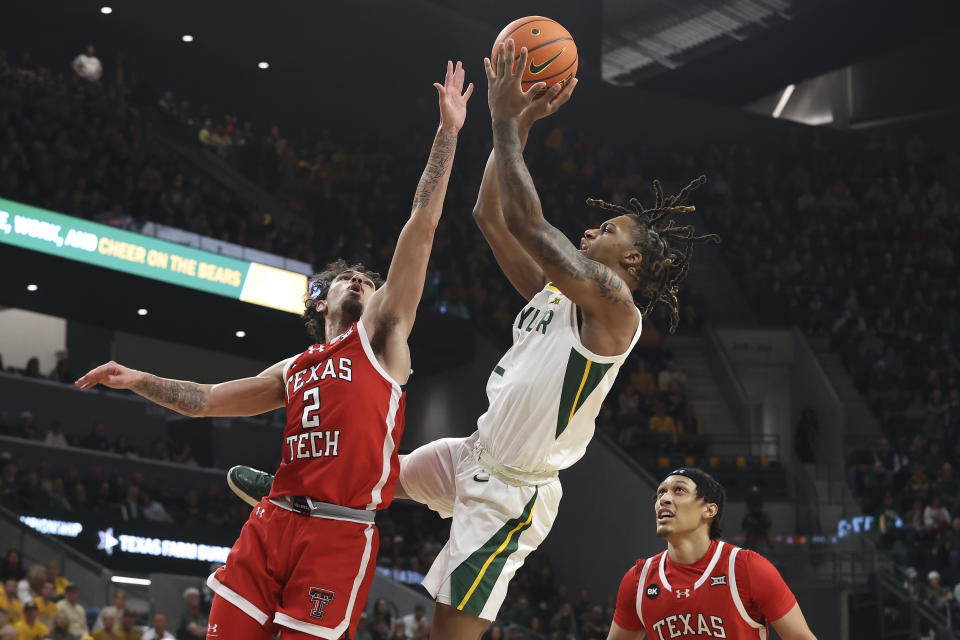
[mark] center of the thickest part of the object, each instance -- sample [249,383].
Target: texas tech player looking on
[305,558]
[702,587]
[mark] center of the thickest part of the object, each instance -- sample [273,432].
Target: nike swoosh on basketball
[538,68]
[481,477]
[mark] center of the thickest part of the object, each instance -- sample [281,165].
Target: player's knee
[451,624]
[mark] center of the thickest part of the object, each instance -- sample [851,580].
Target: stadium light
[106,10]
[125,580]
[263,65]
[187,38]
[142,312]
[32,287]
[783,100]
[241,334]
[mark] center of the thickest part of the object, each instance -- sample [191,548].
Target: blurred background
[171,172]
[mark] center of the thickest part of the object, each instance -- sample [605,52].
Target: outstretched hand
[111,374]
[453,99]
[505,94]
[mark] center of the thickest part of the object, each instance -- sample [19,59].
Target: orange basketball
[551,51]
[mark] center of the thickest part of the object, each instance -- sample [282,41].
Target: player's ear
[322,307]
[631,257]
[710,510]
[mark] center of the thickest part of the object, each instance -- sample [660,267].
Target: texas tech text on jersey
[344,420]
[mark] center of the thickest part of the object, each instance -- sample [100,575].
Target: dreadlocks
[666,247]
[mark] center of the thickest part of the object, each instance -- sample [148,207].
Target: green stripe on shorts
[472,582]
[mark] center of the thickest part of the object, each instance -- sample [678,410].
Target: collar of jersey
[703,576]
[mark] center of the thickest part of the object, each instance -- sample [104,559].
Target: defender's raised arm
[395,304]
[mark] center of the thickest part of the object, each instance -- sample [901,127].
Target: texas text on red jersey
[344,422]
[728,593]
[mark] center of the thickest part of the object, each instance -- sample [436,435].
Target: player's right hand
[556,97]
[111,374]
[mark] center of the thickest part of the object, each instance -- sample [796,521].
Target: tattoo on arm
[438,164]
[549,244]
[554,247]
[185,397]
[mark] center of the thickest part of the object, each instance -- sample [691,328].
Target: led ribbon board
[111,248]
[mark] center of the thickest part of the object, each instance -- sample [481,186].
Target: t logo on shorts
[320,598]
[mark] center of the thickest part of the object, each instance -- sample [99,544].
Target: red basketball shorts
[307,574]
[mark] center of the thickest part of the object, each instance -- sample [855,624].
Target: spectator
[950,546]
[55,437]
[123,448]
[399,631]
[61,373]
[129,507]
[642,380]
[75,613]
[938,595]
[158,450]
[592,625]
[382,611]
[10,488]
[9,632]
[663,424]
[110,629]
[564,621]
[12,568]
[628,405]
[152,510]
[114,609]
[96,439]
[87,65]
[412,621]
[521,613]
[29,628]
[209,137]
[32,370]
[672,379]
[193,623]
[935,516]
[32,584]
[53,575]
[46,607]
[158,630]
[60,630]
[887,457]
[27,429]
[127,628]
[185,455]
[10,602]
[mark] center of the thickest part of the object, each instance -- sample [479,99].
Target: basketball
[552,53]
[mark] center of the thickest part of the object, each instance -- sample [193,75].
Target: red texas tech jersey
[728,593]
[344,421]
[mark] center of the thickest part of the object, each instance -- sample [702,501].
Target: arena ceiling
[352,58]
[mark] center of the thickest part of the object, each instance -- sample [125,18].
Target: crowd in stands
[853,242]
[76,147]
[36,489]
[38,603]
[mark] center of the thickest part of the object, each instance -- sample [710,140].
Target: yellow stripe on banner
[493,557]
[573,409]
[550,287]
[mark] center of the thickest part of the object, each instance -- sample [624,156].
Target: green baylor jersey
[545,393]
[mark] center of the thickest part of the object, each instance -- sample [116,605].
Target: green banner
[105,246]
